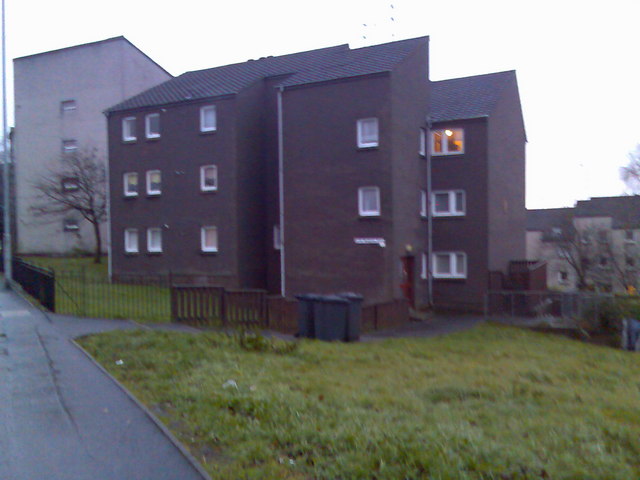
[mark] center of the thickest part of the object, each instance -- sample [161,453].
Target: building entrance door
[408,279]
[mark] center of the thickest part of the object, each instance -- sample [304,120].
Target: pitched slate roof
[468,97]
[300,68]
[547,218]
[624,211]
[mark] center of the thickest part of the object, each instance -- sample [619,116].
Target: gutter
[281,192]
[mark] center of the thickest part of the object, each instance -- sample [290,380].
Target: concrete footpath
[62,417]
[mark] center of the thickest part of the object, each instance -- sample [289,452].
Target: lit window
[129,129]
[131,184]
[67,106]
[447,142]
[369,201]
[154,240]
[367,132]
[277,239]
[448,203]
[69,146]
[208,178]
[131,240]
[70,184]
[152,125]
[70,225]
[422,149]
[208,121]
[423,203]
[209,239]
[154,182]
[424,269]
[449,265]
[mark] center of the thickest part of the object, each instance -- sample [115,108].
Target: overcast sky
[577,61]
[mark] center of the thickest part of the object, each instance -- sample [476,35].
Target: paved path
[61,417]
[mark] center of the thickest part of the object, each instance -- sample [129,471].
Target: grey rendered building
[60,97]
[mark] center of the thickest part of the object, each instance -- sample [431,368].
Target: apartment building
[60,97]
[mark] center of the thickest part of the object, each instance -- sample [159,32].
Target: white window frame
[147,125]
[422,147]
[70,184]
[425,269]
[150,233]
[149,190]
[203,238]
[203,113]
[453,265]
[445,146]
[454,209]
[129,235]
[423,204]
[125,178]
[366,142]
[69,146]
[70,225]
[67,106]
[208,188]
[129,129]
[277,239]
[361,193]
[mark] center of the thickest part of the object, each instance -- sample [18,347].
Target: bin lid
[333,299]
[308,296]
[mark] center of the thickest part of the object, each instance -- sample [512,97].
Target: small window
[277,239]
[448,203]
[70,184]
[70,225]
[208,121]
[422,148]
[131,240]
[131,184]
[154,240]
[447,142]
[69,146]
[449,265]
[369,201]
[208,178]
[152,125]
[154,182]
[209,239]
[129,129]
[424,269]
[67,106]
[563,276]
[367,132]
[423,203]
[628,236]
[603,261]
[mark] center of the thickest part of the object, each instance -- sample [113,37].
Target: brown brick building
[309,173]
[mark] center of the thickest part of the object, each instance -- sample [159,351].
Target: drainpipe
[429,212]
[7,248]
[281,192]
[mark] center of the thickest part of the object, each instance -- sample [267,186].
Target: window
[422,149]
[70,184]
[131,184]
[69,146]
[208,119]
[129,129]
[603,261]
[447,203]
[367,132]
[563,276]
[154,240]
[628,236]
[423,203]
[154,182]
[277,239]
[449,265]
[131,240]
[630,262]
[70,225]
[208,178]
[447,142]
[424,269]
[209,239]
[67,106]
[603,236]
[369,201]
[152,125]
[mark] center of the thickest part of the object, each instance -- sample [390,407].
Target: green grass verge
[83,288]
[490,403]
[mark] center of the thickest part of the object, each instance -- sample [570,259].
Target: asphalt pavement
[62,417]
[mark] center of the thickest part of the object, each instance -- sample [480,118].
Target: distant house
[59,99]
[309,173]
[593,245]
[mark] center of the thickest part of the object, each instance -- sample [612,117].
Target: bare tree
[78,185]
[631,173]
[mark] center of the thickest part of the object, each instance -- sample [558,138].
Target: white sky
[576,60]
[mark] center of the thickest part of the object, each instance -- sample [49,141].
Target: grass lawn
[83,288]
[491,403]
